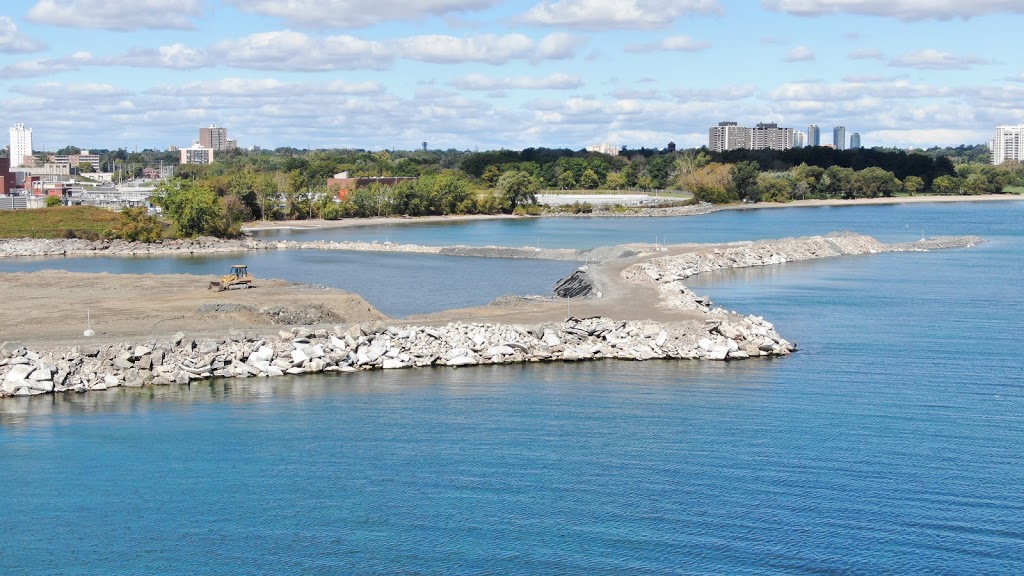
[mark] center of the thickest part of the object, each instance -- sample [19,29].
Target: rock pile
[768,252]
[576,285]
[183,359]
[78,247]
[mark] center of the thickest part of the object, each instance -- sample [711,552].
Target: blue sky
[490,74]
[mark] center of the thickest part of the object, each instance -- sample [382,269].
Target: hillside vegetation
[59,222]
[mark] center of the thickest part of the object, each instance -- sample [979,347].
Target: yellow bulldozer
[239,277]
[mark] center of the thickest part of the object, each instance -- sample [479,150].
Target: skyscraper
[728,136]
[854,140]
[214,137]
[21,144]
[839,137]
[813,135]
[768,136]
[798,139]
[1008,144]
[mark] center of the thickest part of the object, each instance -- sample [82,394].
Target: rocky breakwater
[671,268]
[78,247]
[184,359]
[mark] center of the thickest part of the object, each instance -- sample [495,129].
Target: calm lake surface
[890,443]
[888,223]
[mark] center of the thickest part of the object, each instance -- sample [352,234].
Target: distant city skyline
[489,74]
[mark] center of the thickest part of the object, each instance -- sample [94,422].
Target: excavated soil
[56,306]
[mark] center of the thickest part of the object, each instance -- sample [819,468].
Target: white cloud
[671,44]
[76,92]
[1017,78]
[930,59]
[116,14]
[799,54]
[902,9]
[715,94]
[12,41]
[613,14]
[174,56]
[866,54]
[288,50]
[264,87]
[832,92]
[552,82]
[488,48]
[45,66]
[634,94]
[295,51]
[926,138]
[356,13]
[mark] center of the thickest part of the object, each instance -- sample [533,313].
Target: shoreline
[695,210]
[647,313]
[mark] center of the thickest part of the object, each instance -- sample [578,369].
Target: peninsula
[631,304]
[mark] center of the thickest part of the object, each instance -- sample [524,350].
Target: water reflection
[629,377]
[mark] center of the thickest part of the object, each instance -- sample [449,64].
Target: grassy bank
[59,222]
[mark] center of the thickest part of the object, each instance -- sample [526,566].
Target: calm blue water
[891,443]
[396,284]
[893,223]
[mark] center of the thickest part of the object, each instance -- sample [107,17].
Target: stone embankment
[768,252]
[183,359]
[78,247]
[207,245]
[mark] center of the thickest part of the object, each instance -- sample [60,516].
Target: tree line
[292,184]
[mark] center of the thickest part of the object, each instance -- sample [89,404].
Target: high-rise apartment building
[766,136]
[813,135]
[21,144]
[731,136]
[728,136]
[798,139]
[854,140]
[1007,144]
[215,137]
[839,137]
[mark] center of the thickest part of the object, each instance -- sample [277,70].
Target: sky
[490,74]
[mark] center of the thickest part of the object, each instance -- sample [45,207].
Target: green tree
[53,201]
[589,180]
[138,226]
[194,208]
[491,175]
[85,167]
[913,184]
[518,187]
[567,180]
[710,183]
[775,187]
[946,184]
[976,184]
[616,180]
[745,180]
[874,182]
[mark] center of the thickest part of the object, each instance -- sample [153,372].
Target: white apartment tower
[1006,145]
[21,144]
[771,137]
[728,136]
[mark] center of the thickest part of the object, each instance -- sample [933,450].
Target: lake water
[889,223]
[890,443]
[396,284]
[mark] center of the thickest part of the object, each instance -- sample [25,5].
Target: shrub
[53,201]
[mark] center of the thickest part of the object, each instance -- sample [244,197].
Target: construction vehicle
[239,277]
